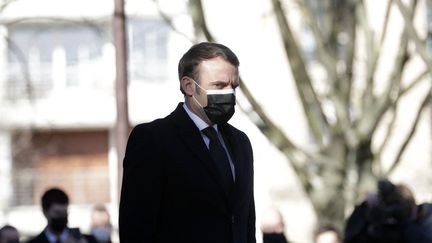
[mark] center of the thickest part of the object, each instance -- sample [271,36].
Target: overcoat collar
[192,137]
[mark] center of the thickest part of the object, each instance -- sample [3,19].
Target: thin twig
[404,145]
[168,20]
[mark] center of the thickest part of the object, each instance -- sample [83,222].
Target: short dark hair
[203,51]
[6,228]
[54,195]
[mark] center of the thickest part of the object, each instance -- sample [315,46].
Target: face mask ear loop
[197,101]
[199,85]
[194,96]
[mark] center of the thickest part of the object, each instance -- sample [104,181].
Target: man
[9,234]
[273,226]
[327,234]
[390,215]
[100,225]
[55,204]
[188,178]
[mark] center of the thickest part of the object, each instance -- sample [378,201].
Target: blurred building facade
[57,102]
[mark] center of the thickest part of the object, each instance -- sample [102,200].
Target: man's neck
[197,119]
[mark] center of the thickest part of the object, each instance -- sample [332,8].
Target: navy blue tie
[220,157]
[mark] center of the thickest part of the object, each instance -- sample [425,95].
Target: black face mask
[220,107]
[58,224]
[220,104]
[274,238]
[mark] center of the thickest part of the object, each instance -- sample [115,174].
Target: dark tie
[219,156]
[58,240]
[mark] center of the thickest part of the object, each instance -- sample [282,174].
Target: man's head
[55,204]
[394,201]
[272,221]
[101,224]
[191,60]
[9,234]
[327,234]
[208,73]
[272,226]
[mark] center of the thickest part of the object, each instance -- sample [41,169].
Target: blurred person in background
[327,234]
[419,230]
[55,205]
[101,227]
[9,234]
[390,216]
[273,226]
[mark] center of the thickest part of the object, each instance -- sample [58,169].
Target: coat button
[232,219]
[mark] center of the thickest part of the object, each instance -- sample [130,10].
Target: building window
[75,161]
[42,57]
[148,57]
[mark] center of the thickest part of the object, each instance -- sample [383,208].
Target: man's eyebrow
[219,82]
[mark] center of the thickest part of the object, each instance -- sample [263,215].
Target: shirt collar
[196,119]
[53,238]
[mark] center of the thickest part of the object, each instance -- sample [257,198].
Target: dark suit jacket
[172,191]
[41,238]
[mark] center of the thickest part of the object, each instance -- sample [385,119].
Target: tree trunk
[329,200]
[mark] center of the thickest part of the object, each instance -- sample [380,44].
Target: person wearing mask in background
[101,224]
[55,205]
[273,226]
[9,234]
[188,177]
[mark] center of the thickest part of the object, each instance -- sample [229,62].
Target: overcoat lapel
[192,138]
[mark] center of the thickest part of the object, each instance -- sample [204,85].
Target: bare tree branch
[386,21]
[410,29]
[328,61]
[370,120]
[198,18]
[393,109]
[389,133]
[170,23]
[276,135]
[5,4]
[314,114]
[350,30]
[408,138]
[414,83]
[343,40]
[368,95]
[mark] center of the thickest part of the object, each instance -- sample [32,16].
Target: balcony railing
[37,81]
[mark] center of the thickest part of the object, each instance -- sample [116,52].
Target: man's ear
[187,85]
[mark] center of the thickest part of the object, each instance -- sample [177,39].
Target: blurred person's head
[327,234]
[9,234]
[395,203]
[395,207]
[101,224]
[272,226]
[55,204]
